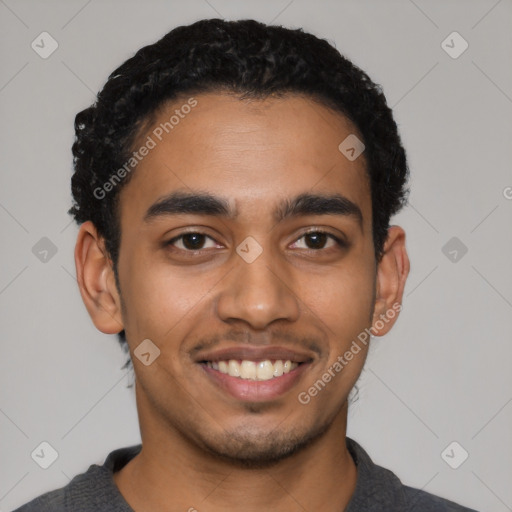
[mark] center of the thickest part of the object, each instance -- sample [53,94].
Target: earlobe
[392,272]
[96,280]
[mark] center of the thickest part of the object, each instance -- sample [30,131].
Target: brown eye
[317,240]
[190,241]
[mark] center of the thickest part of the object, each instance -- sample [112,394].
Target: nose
[258,293]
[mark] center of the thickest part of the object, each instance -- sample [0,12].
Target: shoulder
[380,490]
[93,490]
[78,495]
[417,499]
[48,502]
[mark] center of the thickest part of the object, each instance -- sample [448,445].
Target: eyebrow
[204,203]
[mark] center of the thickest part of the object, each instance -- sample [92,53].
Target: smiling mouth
[253,370]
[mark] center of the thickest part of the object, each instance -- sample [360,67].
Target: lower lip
[255,390]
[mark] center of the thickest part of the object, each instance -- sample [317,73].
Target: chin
[256,450]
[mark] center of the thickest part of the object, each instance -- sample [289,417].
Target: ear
[392,272]
[96,280]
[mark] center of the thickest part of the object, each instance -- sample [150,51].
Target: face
[268,273]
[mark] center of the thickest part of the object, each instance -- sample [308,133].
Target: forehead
[254,152]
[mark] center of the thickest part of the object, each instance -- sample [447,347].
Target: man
[234,184]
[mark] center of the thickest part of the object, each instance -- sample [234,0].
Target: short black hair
[246,58]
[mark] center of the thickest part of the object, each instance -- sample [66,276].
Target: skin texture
[202,447]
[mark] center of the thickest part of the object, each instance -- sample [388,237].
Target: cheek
[342,299]
[158,297]
[343,304]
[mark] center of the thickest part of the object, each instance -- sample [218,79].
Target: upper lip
[252,353]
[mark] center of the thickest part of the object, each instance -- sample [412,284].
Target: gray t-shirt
[377,490]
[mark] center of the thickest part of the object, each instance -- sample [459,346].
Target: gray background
[442,374]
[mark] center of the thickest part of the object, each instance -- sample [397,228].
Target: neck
[170,473]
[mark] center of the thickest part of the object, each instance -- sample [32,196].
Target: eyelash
[340,243]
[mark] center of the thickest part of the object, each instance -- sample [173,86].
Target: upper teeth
[253,370]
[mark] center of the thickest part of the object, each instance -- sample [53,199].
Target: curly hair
[245,58]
